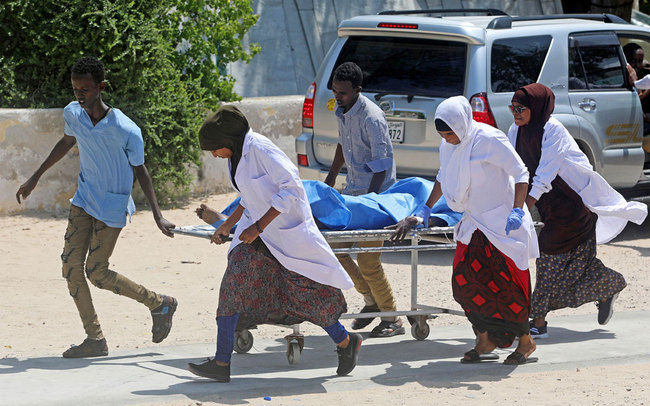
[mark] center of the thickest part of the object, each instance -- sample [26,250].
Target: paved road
[159,375]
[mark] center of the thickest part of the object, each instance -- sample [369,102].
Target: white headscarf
[456,112]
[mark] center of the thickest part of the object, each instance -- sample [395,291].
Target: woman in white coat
[280,268]
[576,205]
[482,176]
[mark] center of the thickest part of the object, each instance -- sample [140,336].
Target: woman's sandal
[517,358]
[387,329]
[473,357]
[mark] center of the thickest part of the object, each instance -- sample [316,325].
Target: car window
[638,59]
[517,62]
[643,42]
[595,63]
[407,66]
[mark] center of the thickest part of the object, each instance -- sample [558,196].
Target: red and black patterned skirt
[493,292]
[262,291]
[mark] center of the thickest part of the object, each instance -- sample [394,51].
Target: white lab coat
[266,177]
[562,156]
[492,167]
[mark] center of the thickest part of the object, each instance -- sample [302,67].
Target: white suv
[411,63]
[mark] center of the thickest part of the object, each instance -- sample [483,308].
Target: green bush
[216,40]
[160,58]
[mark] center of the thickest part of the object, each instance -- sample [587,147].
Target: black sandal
[473,357]
[387,329]
[517,358]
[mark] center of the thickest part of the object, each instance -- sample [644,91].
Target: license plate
[396,131]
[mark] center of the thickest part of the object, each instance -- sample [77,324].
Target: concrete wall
[27,137]
[295,35]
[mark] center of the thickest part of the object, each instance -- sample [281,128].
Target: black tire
[243,341]
[420,333]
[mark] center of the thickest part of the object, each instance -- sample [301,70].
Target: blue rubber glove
[514,220]
[424,212]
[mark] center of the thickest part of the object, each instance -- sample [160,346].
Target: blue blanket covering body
[334,211]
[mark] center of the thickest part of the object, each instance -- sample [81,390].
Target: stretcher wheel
[293,353]
[420,331]
[243,341]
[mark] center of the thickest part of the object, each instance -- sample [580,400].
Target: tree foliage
[165,63]
[211,33]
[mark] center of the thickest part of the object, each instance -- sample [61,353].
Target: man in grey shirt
[365,148]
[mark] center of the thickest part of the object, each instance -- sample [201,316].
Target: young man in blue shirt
[366,150]
[111,149]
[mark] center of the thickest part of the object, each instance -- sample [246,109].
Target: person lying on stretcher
[333,211]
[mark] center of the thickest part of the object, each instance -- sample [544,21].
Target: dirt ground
[38,317]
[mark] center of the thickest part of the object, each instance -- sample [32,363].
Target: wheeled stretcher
[436,238]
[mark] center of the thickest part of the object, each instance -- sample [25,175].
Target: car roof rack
[505,22]
[486,11]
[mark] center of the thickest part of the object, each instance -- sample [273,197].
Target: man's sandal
[387,329]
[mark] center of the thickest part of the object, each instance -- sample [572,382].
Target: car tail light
[308,107]
[303,160]
[481,109]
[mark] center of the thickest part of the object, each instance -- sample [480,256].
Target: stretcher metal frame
[419,312]
[437,238]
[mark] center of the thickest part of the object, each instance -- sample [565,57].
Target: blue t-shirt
[107,153]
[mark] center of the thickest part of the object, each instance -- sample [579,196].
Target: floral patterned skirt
[262,291]
[573,278]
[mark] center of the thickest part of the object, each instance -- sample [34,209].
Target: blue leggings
[226,336]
